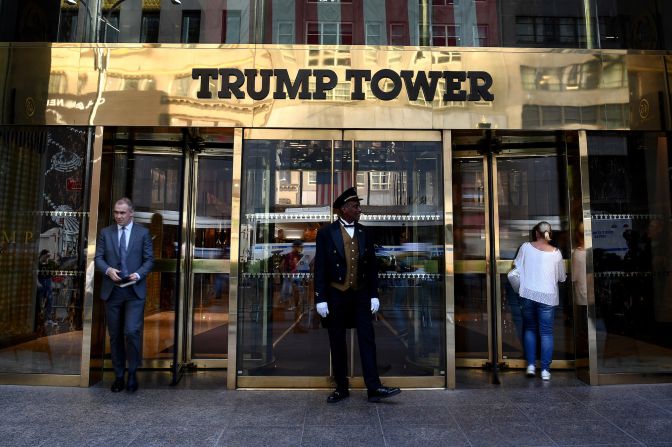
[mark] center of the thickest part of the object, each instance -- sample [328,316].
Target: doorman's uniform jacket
[333,269]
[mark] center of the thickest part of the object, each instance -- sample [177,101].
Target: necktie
[123,253]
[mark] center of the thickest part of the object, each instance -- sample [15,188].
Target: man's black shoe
[118,385]
[132,385]
[337,396]
[382,393]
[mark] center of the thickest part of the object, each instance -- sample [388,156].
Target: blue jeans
[538,320]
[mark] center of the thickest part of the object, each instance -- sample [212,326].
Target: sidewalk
[198,412]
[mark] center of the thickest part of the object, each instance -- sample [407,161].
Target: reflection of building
[576,131]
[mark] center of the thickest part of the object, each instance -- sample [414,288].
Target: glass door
[180,184]
[529,184]
[399,176]
[290,180]
[209,257]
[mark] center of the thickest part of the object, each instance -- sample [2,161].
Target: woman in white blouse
[541,268]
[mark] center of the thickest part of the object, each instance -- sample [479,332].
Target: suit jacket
[139,257]
[330,265]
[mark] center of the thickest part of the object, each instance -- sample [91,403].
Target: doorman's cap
[346,196]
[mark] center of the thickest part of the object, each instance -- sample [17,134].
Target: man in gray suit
[124,254]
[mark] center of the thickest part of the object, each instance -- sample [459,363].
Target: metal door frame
[235,381]
[502,265]
[185,266]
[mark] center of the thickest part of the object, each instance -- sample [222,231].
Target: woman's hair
[543,228]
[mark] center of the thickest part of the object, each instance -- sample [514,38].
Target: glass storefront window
[401,184]
[640,25]
[530,185]
[630,190]
[44,221]
[286,196]
[288,189]
[187,302]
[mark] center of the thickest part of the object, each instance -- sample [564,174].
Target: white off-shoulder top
[540,272]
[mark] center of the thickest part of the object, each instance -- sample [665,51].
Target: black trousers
[348,309]
[125,314]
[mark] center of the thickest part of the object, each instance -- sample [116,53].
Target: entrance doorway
[180,183]
[289,182]
[528,184]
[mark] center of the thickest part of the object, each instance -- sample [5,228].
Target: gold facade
[134,85]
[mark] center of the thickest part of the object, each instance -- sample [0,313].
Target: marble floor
[199,411]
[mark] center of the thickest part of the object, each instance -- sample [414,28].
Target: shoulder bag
[514,278]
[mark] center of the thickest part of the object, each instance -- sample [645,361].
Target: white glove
[322,309]
[375,305]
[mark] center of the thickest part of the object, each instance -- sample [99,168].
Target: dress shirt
[128,233]
[350,228]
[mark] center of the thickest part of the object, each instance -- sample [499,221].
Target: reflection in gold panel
[153,86]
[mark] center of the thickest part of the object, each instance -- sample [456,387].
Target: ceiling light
[176,2]
[71,2]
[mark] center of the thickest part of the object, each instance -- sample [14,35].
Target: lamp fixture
[176,2]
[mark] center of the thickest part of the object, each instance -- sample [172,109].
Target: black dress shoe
[382,392]
[132,385]
[118,385]
[338,396]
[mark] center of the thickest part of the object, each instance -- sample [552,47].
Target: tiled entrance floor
[201,412]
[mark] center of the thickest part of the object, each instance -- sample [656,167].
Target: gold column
[588,242]
[87,312]
[232,367]
[448,257]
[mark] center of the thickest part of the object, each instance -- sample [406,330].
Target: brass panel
[210,363]
[164,363]
[470,363]
[511,363]
[152,85]
[339,110]
[404,382]
[504,265]
[475,266]
[646,105]
[255,382]
[488,195]
[389,135]
[42,83]
[210,265]
[668,100]
[275,382]
[292,134]
[588,244]
[40,379]
[623,379]
[494,238]
[449,259]
[87,312]
[557,364]
[237,175]
[184,294]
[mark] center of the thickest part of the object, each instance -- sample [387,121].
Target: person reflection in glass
[293,290]
[580,291]
[44,287]
[658,252]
